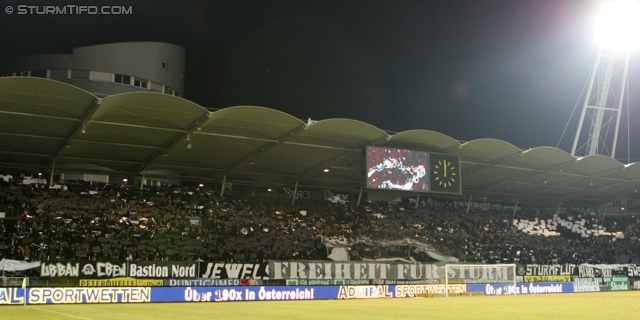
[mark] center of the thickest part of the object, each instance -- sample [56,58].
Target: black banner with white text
[221,270]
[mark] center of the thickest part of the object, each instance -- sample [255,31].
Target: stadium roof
[44,122]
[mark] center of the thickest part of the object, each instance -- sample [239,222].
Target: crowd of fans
[85,220]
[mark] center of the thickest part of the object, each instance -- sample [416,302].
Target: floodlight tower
[617,33]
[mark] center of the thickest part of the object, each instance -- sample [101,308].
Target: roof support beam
[269,140]
[233,136]
[76,129]
[318,146]
[255,153]
[38,115]
[188,167]
[570,181]
[545,185]
[98,159]
[181,134]
[7,165]
[53,170]
[634,189]
[135,126]
[117,144]
[493,162]
[29,136]
[531,173]
[26,154]
[605,188]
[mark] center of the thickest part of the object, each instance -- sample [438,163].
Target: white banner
[375,270]
[417,245]
[17,265]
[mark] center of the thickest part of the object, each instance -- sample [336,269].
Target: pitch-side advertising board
[82,295]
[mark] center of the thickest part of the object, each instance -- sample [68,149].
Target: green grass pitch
[597,305]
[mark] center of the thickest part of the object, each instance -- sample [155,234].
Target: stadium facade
[109,69]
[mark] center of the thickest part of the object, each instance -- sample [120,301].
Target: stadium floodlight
[617,33]
[618,25]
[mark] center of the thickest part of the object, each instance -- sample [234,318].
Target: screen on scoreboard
[412,170]
[397,169]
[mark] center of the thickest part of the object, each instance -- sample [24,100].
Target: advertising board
[69,295]
[80,295]
[247,293]
[121,282]
[89,295]
[566,278]
[327,282]
[521,288]
[618,283]
[586,284]
[11,296]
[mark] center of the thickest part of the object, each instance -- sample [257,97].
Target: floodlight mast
[604,97]
[617,29]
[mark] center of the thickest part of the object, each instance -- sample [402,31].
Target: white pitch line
[60,313]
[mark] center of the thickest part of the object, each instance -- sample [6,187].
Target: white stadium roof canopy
[43,122]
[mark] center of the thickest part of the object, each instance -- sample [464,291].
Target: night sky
[506,69]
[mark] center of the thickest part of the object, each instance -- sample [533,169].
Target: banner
[484,206]
[121,282]
[162,269]
[546,269]
[325,282]
[385,270]
[521,288]
[423,281]
[602,270]
[201,282]
[586,284]
[566,278]
[17,265]
[113,269]
[83,269]
[418,246]
[326,195]
[633,271]
[221,270]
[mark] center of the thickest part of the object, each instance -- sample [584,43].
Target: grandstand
[251,176]
[115,189]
